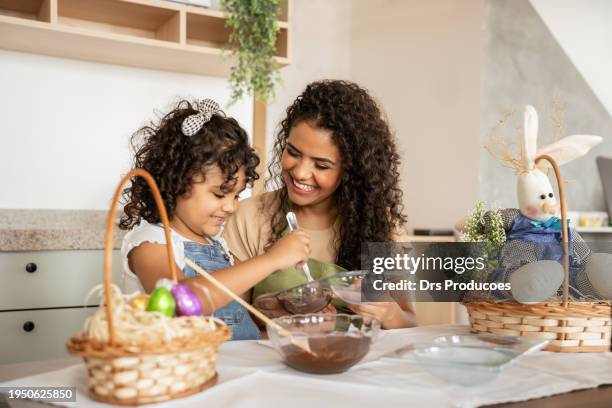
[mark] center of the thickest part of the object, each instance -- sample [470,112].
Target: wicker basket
[570,326]
[152,370]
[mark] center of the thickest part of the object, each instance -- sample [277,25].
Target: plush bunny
[531,258]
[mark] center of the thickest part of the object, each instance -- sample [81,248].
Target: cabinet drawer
[49,330]
[43,279]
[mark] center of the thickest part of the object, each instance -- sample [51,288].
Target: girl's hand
[291,250]
[386,312]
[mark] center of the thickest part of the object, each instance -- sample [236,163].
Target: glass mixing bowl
[346,286]
[473,359]
[337,341]
[310,297]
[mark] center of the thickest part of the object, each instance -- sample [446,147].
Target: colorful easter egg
[140,302]
[165,283]
[187,302]
[162,301]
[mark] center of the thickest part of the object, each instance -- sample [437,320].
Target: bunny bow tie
[553,222]
[193,123]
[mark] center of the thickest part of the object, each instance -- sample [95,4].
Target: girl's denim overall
[212,257]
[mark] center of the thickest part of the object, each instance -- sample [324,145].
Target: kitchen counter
[45,230]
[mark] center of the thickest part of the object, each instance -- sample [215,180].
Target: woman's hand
[390,314]
[291,250]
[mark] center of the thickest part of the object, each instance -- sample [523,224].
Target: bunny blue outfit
[547,235]
[211,257]
[530,241]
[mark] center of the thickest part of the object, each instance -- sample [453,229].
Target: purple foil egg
[187,302]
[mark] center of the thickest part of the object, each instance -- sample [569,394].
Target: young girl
[201,161]
[336,166]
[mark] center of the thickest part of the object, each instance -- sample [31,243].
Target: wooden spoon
[281,331]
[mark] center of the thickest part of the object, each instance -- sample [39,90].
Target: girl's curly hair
[368,199]
[174,159]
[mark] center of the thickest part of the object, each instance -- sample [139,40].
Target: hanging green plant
[252,43]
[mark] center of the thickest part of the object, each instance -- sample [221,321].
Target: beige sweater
[248,231]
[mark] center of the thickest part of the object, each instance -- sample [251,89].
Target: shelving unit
[152,34]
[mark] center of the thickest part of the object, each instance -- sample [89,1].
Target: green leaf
[252,43]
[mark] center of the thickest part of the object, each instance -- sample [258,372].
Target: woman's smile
[301,188]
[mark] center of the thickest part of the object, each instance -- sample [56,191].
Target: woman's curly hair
[174,160]
[368,199]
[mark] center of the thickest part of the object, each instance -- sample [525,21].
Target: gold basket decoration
[134,364]
[570,326]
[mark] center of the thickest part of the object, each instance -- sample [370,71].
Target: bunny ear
[568,149]
[530,138]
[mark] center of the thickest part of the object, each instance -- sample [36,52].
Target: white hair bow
[193,123]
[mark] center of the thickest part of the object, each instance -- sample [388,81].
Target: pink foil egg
[187,302]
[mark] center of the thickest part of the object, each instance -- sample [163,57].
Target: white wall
[584,31]
[422,59]
[65,125]
[525,62]
[321,46]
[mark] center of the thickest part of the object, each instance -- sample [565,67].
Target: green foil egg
[162,301]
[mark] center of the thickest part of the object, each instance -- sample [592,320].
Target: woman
[335,165]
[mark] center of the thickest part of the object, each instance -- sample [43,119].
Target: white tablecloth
[251,375]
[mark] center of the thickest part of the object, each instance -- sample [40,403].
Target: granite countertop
[42,230]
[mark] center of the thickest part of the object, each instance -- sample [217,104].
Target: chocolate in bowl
[307,298]
[337,341]
[330,354]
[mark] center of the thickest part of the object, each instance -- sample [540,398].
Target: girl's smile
[217,220]
[202,211]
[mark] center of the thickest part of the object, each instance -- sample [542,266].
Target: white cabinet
[44,279]
[42,299]
[39,334]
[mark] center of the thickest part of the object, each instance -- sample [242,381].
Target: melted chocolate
[306,303]
[333,354]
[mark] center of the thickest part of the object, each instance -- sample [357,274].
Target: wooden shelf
[27,9]
[206,30]
[121,17]
[152,34]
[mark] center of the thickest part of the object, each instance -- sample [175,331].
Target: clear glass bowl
[337,342]
[310,297]
[346,286]
[472,359]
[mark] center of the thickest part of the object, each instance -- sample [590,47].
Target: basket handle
[108,239]
[564,226]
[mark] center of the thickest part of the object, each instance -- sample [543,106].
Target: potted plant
[252,43]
